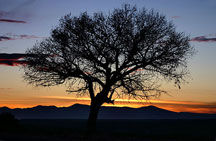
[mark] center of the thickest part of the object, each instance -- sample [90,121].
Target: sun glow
[63,101]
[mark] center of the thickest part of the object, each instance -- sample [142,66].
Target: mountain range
[78,111]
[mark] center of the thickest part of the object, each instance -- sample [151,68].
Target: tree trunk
[94,109]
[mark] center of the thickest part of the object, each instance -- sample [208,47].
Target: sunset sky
[24,22]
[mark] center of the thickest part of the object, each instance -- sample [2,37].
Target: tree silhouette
[7,121]
[123,53]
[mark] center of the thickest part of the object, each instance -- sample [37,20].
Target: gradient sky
[24,22]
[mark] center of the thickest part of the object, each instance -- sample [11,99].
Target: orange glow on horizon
[58,101]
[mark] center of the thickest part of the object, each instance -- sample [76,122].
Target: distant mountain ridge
[78,111]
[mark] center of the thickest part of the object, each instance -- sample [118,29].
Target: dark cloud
[203,39]
[11,17]
[16,37]
[14,59]
[12,21]
[6,56]
[5,38]
[12,62]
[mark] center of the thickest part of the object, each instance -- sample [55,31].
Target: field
[115,130]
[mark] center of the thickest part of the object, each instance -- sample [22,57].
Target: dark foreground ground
[111,130]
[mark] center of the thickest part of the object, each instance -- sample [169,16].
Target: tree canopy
[123,52]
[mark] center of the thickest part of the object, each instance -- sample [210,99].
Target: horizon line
[106,106]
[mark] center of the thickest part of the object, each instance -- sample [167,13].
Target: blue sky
[24,22]
[194,17]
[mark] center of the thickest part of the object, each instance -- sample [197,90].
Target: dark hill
[78,111]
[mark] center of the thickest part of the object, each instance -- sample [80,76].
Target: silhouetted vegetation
[125,52]
[114,130]
[7,121]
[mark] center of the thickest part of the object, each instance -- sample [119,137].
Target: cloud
[12,62]
[27,36]
[13,59]
[10,36]
[21,10]
[10,17]
[6,56]
[203,39]
[5,88]
[184,106]
[11,21]
[5,38]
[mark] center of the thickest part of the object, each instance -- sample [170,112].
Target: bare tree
[122,53]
